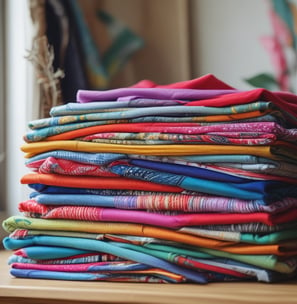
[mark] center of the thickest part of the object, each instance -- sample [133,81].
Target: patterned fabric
[192,181]
[268,262]
[147,111]
[167,202]
[132,276]
[268,191]
[283,249]
[282,151]
[162,219]
[287,265]
[156,127]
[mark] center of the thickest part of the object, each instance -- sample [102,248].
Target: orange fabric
[95,182]
[231,117]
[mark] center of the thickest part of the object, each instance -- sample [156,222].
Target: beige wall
[226,39]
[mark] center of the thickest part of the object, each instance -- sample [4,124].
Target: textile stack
[193,181]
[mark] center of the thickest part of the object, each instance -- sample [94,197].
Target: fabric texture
[193,181]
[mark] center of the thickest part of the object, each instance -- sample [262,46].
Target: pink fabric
[157,219]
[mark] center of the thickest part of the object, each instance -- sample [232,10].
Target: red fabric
[95,182]
[87,213]
[284,100]
[206,82]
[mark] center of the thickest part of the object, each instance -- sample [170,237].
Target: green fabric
[272,238]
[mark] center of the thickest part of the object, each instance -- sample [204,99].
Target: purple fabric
[155,93]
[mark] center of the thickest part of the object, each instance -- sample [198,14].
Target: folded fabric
[229,173]
[112,266]
[62,166]
[194,181]
[72,108]
[250,227]
[112,249]
[85,213]
[254,116]
[287,265]
[166,202]
[239,165]
[46,253]
[207,172]
[211,86]
[75,130]
[127,113]
[135,268]
[286,102]
[92,257]
[156,93]
[133,276]
[229,139]
[229,236]
[43,188]
[95,182]
[153,255]
[249,116]
[284,249]
[281,151]
[68,167]
[191,263]
[254,238]
[205,82]
[266,190]
[148,180]
[81,157]
[45,132]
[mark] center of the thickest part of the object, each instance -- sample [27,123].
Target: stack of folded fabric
[189,182]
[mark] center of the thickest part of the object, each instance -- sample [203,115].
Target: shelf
[33,291]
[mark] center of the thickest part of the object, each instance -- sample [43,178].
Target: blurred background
[52,48]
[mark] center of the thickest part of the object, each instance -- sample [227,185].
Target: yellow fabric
[74,145]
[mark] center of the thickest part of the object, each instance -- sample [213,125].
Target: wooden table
[32,291]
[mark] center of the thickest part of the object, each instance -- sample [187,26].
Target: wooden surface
[25,291]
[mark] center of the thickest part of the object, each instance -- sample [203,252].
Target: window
[18,99]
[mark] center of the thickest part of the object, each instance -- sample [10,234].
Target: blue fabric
[234,158]
[130,113]
[93,107]
[79,200]
[117,201]
[256,190]
[45,252]
[41,188]
[188,171]
[96,245]
[81,157]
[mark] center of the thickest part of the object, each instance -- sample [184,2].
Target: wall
[225,39]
